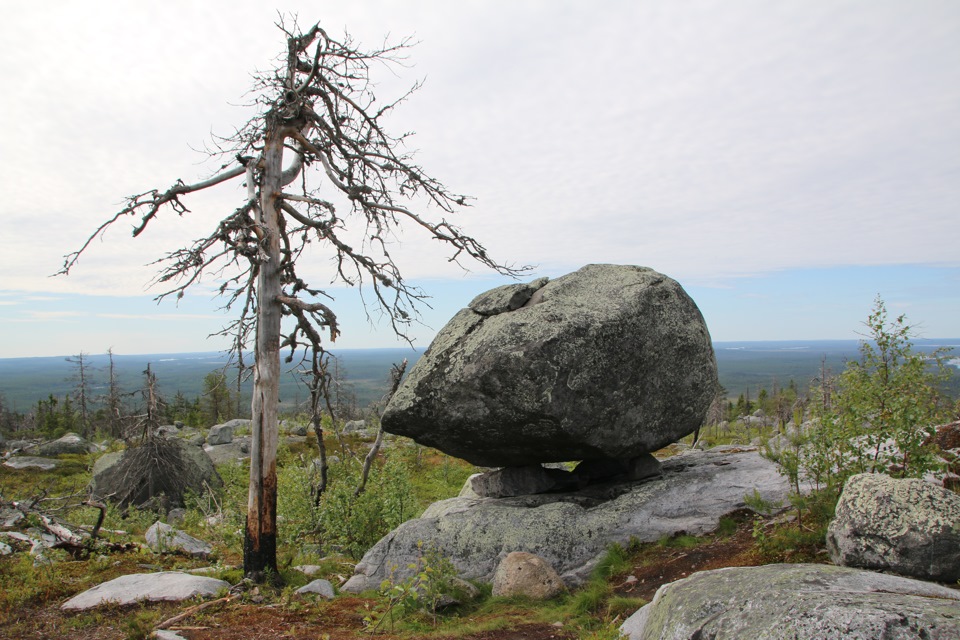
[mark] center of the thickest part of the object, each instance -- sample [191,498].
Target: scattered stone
[320,587]
[908,526]
[572,530]
[799,601]
[198,440]
[220,434]
[607,362]
[176,515]
[166,431]
[70,443]
[9,518]
[298,429]
[236,451]
[22,445]
[166,634]
[163,538]
[5,549]
[30,462]
[526,574]
[152,587]
[356,427]
[308,569]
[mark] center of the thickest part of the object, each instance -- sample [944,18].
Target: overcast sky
[785,161]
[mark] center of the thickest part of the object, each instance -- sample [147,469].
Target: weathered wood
[260,541]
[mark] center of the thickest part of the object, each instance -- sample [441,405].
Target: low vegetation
[876,416]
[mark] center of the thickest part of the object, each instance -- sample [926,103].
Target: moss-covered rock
[798,601]
[907,526]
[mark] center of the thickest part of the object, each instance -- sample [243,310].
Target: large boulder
[572,530]
[799,601]
[69,443]
[607,362]
[137,475]
[907,526]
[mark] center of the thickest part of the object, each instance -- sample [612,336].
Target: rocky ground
[651,566]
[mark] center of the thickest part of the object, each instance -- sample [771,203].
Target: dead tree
[348,186]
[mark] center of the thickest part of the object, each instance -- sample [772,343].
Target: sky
[786,162]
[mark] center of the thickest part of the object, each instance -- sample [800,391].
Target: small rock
[525,574]
[320,587]
[308,569]
[220,434]
[163,538]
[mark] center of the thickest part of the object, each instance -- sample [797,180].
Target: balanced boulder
[908,526]
[607,362]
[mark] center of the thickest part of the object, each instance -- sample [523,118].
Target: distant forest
[194,385]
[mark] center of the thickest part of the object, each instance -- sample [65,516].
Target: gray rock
[151,587]
[30,462]
[166,634]
[9,518]
[69,443]
[163,538]
[197,440]
[607,362]
[298,430]
[5,549]
[239,424]
[526,574]
[308,570]
[111,478]
[220,434]
[22,445]
[356,427]
[320,587]
[799,601]
[236,451]
[572,530]
[167,431]
[512,481]
[907,526]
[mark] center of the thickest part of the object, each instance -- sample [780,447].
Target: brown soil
[658,564]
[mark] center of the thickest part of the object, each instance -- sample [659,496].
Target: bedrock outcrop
[610,361]
[800,601]
[571,531]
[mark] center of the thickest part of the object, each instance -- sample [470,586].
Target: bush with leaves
[876,417]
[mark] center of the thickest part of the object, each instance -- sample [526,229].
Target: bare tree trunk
[260,541]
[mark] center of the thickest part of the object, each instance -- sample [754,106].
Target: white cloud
[707,139]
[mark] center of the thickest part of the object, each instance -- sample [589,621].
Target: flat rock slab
[799,601]
[170,586]
[30,462]
[572,531]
